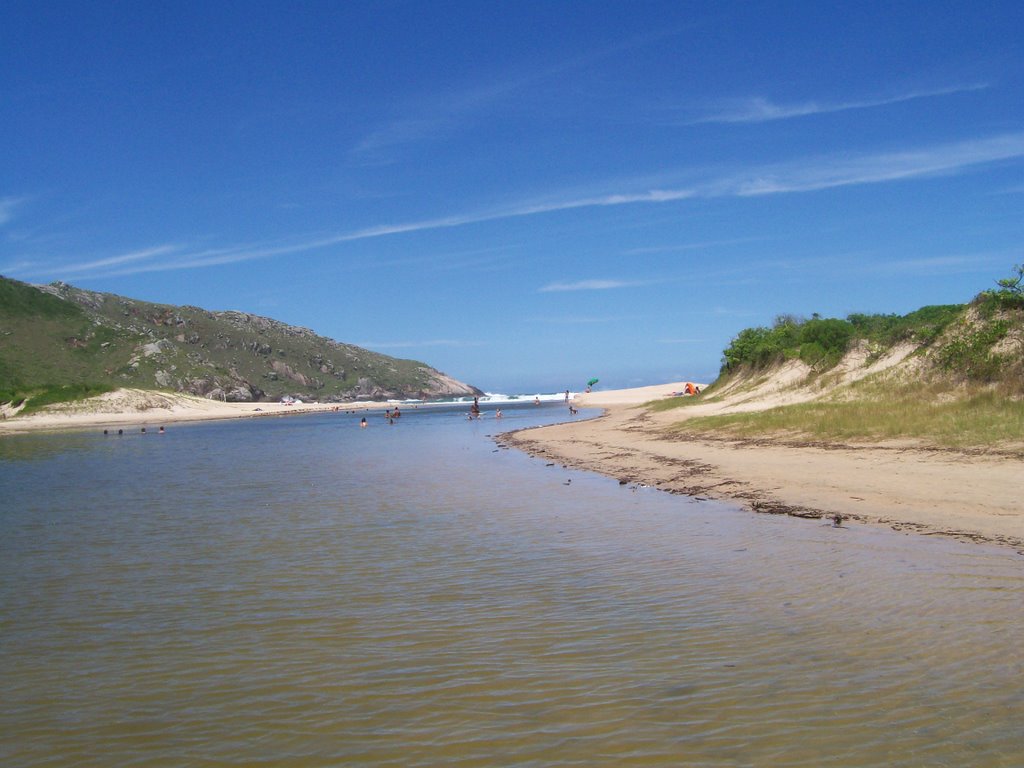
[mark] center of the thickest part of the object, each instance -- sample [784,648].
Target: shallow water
[299,591]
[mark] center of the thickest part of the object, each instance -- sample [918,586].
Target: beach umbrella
[592,382]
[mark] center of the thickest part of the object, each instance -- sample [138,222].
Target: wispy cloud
[441,113]
[8,206]
[683,247]
[945,265]
[762,110]
[572,320]
[23,268]
[117,261]
[418,344]
[592,285]
[809,175]
[827,173]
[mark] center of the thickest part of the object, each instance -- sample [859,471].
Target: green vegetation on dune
[966,387]
[65,393]
[822,342]
[965,337]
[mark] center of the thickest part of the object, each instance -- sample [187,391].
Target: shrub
[970,353]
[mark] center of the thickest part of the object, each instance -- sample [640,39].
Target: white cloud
[760,110]
[827,173]
[23,267]
[805,176]
[570,320]
[7,206]
[437,114]
[115,261]
[591,285]
[417,344]
[941,265]
[682,247]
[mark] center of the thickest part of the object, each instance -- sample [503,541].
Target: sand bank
[967,495]
[137,407]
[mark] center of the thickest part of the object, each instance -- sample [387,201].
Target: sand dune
[141,407]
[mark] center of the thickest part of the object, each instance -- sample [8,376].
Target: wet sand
[930,491]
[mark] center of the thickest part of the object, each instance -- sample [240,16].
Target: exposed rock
[201,387]
[239,395]
[289,373]
[163,346]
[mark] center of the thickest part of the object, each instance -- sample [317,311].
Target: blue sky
[523,195]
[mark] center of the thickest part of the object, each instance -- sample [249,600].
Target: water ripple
[405,596]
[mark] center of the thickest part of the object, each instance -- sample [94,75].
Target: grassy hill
[58,342]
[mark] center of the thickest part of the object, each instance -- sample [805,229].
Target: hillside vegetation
[58,343]
[949,375]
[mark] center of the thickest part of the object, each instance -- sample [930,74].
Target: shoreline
[135,407]
[967,496]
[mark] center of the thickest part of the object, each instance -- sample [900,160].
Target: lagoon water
[301,592]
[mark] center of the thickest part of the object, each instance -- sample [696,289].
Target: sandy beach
[965,495]
[137,407]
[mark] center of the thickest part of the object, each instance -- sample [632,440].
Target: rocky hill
[57,336]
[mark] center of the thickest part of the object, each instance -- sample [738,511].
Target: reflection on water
[302,592]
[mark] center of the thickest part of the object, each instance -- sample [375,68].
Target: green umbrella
[592,382]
